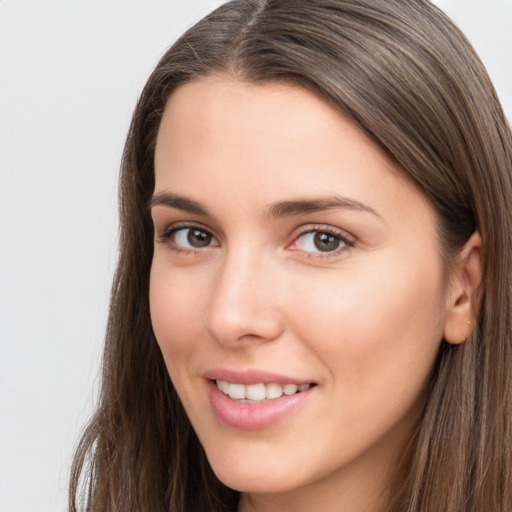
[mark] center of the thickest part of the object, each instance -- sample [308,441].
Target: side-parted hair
[406,75]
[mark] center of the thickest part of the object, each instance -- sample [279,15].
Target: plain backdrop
[70,73]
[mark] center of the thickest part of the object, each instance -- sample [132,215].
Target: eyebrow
[277,210]
[305,206]
[179,202]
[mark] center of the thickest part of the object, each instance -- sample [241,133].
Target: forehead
[273,119]
[249,142]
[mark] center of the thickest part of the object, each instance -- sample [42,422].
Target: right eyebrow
[179,202]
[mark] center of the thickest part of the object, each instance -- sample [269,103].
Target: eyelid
[174,226]
[166,236]
[347,240]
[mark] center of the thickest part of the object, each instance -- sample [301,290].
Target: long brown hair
[410,80]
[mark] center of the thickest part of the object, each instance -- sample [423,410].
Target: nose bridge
[243,305]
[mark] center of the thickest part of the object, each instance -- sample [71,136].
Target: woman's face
[297,289]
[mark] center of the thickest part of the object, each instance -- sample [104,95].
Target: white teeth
[259,392]
[236,391]
[255,392]
[290,389]
[223,386]
[274,391]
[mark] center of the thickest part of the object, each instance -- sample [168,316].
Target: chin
[258,480]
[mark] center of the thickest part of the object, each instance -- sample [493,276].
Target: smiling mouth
[255,393]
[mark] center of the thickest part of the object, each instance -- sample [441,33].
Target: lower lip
[254,416]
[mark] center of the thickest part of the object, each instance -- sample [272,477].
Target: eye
[189,238]
[192,238]
[322,241]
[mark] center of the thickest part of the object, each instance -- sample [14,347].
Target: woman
[314,248]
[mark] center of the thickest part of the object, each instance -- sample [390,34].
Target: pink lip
[253,416]
[251,376]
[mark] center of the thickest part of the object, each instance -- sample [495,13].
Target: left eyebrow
[305,206]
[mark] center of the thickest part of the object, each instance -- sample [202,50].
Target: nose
[244,303]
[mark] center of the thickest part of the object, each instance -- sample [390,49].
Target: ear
[463,297]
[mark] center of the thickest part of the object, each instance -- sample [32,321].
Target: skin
[363,322]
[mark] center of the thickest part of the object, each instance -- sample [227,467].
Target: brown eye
[198,238]
[320,242]
[325,242]
[193,238]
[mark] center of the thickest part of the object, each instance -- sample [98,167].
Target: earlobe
[463,300]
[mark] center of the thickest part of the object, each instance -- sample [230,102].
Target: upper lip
[252,376]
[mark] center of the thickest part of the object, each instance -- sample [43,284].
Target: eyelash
[344,239]
[167,238]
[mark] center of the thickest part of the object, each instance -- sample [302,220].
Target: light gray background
[70,73]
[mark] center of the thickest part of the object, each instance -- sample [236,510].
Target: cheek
[176,312]
[376,323]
